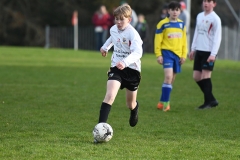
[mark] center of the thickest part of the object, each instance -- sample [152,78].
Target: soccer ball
[102,132]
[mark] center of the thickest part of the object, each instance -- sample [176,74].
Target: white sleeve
[194,41]
[217,27]
[136,50]
[193,47]
[108,44]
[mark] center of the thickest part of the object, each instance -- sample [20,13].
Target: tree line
[23,21]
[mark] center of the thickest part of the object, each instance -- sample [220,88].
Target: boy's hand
[191,55]
[120,65]
[182,60]
[211,59]
[104,53]
[160,60]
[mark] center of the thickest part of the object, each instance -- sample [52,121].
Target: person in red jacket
[101,22]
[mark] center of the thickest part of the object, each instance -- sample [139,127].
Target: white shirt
[127,47]
[208,33]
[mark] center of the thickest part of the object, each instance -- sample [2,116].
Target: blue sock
[166,91]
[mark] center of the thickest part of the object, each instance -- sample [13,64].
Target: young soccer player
[205,45]
[125,64]
[170,48]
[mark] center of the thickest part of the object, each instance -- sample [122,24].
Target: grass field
[50,100]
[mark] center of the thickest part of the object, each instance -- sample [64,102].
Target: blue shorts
[171,60]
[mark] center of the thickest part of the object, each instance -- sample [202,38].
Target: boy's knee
[109,98]
[196,79]
[168,79]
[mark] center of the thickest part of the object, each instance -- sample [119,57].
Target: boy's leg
[104,111]
[166,89]
[133,105]
[197,75]
[165,97]
[199,60]
[171,66]
[209,98]
[208,90]
[112,89]
[202,76]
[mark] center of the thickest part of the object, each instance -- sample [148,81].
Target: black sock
[207,88]
[200,84]
[104,111]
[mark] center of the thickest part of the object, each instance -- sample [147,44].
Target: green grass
[50,100]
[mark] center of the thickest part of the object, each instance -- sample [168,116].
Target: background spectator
[184,15]
[164,13]
[101,22]
[142,28]
[134,16]
[134,19]
[111,18]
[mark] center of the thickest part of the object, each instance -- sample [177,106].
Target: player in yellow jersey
[170,48]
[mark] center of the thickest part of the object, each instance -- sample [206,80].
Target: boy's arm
[185,45]
[158,41]
[108,44]
[193,47]
[217,26]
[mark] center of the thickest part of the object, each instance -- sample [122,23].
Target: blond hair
[123,11]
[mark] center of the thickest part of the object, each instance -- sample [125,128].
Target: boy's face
[174,13]
[122,22]
[208,5]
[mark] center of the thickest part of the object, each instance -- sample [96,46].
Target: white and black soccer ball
[102,132]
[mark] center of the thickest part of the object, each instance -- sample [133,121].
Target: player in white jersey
[205,45]
[125,64]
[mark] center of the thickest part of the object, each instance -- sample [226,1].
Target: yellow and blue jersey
[171,36]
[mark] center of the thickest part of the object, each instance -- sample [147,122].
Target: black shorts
[129,78]
[200,61]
